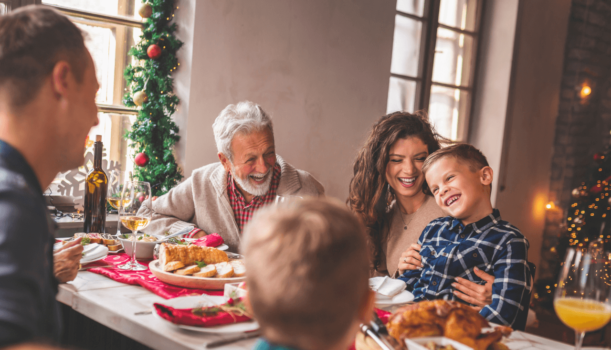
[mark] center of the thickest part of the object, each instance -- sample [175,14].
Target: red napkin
[187,318]
[211,240]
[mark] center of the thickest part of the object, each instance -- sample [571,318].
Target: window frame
[428,41]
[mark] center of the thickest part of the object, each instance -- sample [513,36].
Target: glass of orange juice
[582,296]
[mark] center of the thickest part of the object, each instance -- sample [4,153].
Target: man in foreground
[222,197]
[307,279]
[47,107]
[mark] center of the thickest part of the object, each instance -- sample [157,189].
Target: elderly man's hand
[66,261]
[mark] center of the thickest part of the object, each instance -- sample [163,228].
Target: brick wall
[583,125]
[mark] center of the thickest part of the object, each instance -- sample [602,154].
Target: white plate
[221,247]
[115,251]
[85,262]
[420,343]
[205,300]
[402,298]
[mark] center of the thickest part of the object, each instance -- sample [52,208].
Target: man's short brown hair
[462,152]
[308,270]
[32,40]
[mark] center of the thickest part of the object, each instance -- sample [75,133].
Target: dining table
[128,309]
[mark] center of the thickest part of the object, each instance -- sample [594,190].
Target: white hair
[245,117]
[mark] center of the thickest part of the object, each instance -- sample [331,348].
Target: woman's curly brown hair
[370,195]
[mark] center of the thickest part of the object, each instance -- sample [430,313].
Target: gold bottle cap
[98,138]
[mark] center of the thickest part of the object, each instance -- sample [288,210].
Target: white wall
[319,67]
[515,115]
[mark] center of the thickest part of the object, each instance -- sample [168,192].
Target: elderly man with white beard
[222,197]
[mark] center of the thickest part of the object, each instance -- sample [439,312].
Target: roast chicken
[188,255]
[451,319]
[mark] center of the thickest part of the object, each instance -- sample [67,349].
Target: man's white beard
[255,190]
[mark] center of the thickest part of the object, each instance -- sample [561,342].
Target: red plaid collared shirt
[242,212]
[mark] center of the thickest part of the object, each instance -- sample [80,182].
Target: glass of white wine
[582,296]
[114,199]
[132,196]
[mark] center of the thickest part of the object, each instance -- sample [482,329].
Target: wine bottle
[95,192]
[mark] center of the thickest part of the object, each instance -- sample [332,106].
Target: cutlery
[237,338]
[179,233]
[140,313]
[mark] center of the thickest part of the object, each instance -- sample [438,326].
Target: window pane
[108,45]
[406,46]
[453,55]
[458,13]
[401,95]
[413,7]
[3,9]
[447,109]
[127,8]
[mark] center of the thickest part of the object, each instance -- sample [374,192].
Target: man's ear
[367,307]
[61,78]
[225,161]
[486,175]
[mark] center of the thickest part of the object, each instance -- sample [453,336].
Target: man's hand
[66,261]
[474,293]
[410,259]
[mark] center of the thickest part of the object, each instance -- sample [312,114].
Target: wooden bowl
[191,281]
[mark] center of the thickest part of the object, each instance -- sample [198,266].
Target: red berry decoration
[141,159]
[230,301]
[154,51]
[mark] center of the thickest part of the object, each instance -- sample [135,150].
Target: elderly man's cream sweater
[202,201]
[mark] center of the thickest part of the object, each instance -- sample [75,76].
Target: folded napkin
[211,240]
[386,288]
[188,318]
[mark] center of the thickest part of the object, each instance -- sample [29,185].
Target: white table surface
[113,304]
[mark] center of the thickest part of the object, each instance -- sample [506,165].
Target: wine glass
[134,193]
[582,296]
[114,199]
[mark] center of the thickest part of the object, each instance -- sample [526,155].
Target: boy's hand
[474,293]
[410,259]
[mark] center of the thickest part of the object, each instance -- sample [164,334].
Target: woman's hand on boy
[410,259]
[476,294]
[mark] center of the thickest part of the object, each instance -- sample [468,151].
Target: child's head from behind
[460,179]
[307,273]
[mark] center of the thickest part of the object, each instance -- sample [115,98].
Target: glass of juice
[582,296]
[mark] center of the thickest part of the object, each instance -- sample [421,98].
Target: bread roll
[188,255]
[189,270]
[206,271]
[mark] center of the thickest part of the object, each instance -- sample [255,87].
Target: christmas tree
[150,83]
[586,220]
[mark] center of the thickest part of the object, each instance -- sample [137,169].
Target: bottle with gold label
[95,192]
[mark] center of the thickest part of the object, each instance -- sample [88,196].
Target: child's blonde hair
[308,270]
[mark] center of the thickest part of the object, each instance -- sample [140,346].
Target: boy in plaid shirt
[472,236]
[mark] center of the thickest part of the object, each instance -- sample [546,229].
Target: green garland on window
[150,86]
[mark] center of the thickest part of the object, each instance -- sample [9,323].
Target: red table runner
[144,278]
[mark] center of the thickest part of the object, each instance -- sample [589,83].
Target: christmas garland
[150,87]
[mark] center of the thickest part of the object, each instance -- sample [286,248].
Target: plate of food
[192,266]
[94,252]
[445,319]
[199,301]
[113,245]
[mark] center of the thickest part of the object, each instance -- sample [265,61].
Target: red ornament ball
[141,159]
[154,51]
[596,189]
[141,199]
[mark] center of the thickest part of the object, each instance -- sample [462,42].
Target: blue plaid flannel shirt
[451,249]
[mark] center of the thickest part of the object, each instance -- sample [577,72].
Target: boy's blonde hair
[462,152]
[308,270]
